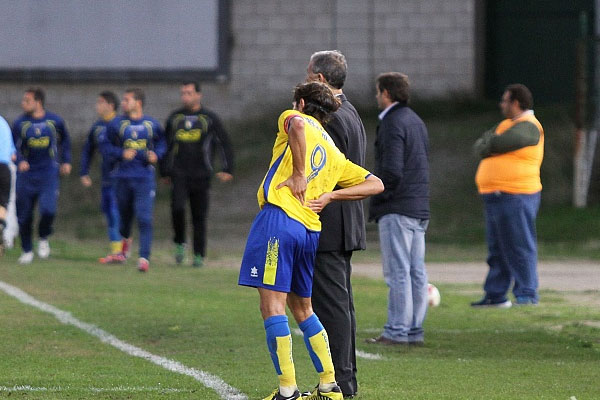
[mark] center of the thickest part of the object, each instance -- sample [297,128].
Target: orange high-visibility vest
[515,172]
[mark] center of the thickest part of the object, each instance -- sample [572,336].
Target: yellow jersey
[326,167]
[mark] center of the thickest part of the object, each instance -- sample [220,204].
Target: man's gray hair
[332,64]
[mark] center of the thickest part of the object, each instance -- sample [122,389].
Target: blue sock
[279,342]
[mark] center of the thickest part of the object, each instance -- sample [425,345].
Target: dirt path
[556,275]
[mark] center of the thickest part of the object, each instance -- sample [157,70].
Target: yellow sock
[115,247]
[317,343]
[286,362]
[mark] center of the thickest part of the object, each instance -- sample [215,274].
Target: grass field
[201,319]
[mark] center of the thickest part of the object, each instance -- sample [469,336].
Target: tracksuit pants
[135,197]
[110,209]
[196,190]
[36,187]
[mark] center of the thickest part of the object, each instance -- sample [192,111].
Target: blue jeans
[512,244]
[402,241]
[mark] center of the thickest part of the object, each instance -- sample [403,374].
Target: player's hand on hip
[23,166]
[319,204]
[152,157]
[297,185]
[224,176]
[128,154]
[86,181]
[65,169]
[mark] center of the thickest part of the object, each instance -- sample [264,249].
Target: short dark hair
[332,64]
[110,98]
[138,94]
[319,100]
[38,94]
[196,84]
[520,93]
[396,84]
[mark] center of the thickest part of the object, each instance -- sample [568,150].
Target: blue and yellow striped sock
[317,343]
[279,342]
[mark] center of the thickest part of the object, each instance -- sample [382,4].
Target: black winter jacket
[401,162]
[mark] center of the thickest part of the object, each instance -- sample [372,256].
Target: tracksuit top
[43,142]
[96,137]
[515,172]
[193,138]
[143,135]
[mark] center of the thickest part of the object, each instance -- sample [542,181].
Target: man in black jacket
[343,229]
[402,210]
[194,134]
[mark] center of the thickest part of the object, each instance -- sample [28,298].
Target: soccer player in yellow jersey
[282,243]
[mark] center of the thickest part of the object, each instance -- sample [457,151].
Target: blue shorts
[280,254]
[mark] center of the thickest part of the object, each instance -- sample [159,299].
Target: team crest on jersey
[134,135]
[188,124]
[37,132]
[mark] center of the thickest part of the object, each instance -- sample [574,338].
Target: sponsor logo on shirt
[39,143]
[139,144]
[192,135]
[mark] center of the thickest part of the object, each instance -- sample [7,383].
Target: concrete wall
[433,41]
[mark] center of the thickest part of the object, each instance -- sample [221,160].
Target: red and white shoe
[143,264]
[126,247]
[113,259]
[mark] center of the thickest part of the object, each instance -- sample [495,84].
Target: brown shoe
[386,341]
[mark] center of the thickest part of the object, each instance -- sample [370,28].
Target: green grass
[201,318]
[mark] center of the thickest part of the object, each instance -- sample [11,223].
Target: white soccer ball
[433,295]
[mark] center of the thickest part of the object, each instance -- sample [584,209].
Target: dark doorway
[533,42]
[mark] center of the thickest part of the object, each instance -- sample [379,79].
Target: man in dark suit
[402,210]
[343,229]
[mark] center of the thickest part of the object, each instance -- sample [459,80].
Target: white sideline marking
[211,381]
[27,388]
[125,389]
[368,356]
[359,353]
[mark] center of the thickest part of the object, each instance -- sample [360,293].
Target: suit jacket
[401,161]
[343,222]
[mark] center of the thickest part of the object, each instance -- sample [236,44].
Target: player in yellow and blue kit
[106,106]
[43,151]
[282,243]
[135,142]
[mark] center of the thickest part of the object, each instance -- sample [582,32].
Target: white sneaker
[43,248]
[26,258]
